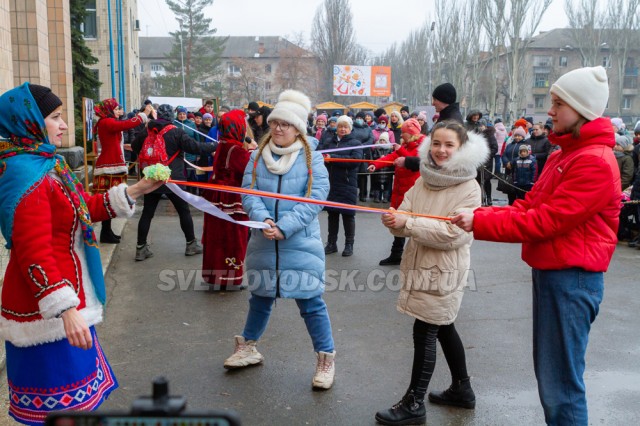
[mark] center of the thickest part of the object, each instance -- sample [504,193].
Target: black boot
[409,411]
[106,234]
[397,248]
[331,247]
[349,222]
[459,394]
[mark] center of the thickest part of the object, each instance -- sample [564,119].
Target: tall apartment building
[554,53]
[124,26]
[253,68]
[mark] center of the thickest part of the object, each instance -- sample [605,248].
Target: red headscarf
[104,109]
[233,126]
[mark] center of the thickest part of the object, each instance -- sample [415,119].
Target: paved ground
[160,326]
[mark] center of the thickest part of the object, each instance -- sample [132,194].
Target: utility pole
[184,91]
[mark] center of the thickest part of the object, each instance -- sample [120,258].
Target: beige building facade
[35,46]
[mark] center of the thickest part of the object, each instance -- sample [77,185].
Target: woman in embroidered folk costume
[53,292]
[286,260]
[435,265]
[225,243]
[111,168]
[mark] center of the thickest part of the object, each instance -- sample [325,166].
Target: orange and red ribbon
[255,192]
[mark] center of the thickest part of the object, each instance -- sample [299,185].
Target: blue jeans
[565,303]
[314,311]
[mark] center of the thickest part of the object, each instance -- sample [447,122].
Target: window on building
[267,68]
[89,27]
[606,61]
[141,68]
[562,61]
[539,101]
[630,82]
[157,67]
[541,80]
[267,85]
[627,102]
[542,61]
[157,85]
[234,69]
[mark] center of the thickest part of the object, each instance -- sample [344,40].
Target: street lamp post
[184,91]
[433,25]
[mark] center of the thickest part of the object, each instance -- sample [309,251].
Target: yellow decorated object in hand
[157,172]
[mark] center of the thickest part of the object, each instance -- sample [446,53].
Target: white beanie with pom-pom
[292,107]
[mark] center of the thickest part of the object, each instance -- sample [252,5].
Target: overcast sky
[378,23]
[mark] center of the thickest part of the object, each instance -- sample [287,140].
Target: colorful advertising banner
[361,80]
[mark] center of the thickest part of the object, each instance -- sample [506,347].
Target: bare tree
[521,21]
[333,39]
[456,43]
[621,37]
[491,13]
[586,20]
[298,67]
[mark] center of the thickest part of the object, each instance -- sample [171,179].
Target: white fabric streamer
[205,206]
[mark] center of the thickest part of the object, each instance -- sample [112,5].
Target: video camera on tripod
[160,409]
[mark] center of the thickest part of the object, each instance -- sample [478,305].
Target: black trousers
[349,222]
[424,354]
[151,203]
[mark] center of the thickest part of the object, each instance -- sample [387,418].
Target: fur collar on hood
[462,167]
[471,155]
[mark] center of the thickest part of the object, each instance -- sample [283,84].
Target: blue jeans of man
[565,304]
[313,311]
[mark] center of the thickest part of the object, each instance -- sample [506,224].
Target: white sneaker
[245,354]
[325,370]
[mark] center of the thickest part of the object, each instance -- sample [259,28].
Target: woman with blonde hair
[287,259]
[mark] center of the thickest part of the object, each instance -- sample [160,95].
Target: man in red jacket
[571,217]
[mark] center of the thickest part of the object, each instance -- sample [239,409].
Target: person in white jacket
[435,265]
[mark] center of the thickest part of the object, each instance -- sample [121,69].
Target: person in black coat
[484,172]
[176,140]
[444,99]
[540,146]
[362,132]
[344,185]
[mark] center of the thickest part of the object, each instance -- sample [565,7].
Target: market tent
[330,107]
[364,106]
[393,106]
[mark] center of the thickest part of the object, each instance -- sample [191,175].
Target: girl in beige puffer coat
[435,264]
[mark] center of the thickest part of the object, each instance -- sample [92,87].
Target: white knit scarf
[287,155]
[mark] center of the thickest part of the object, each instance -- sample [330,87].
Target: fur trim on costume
[112,170]
[472,154]
[119,202]
[57,302]
[32,333]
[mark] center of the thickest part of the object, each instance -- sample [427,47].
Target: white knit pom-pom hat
[293,107]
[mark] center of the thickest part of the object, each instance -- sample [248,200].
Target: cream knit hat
[347,120]
[585,89]
[292,107]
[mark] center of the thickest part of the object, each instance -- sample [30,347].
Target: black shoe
[330,248]
[348,250]
[109,239]
[459,394]
[363,199]
[393,259]
[408,411]
[377,200]
[634,243]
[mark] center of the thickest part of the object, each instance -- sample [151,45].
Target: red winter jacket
[570,217]
[111,159]
[403,178]
[47,272]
